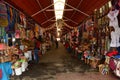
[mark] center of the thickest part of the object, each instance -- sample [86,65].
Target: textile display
[23,19]
[6,70]
[11,19]
[2,31]
[114,40]
[3,15]
[113,18]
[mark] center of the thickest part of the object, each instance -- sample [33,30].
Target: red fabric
[66,45]
[38,44]
[113,53]
[0,73]
[112,64]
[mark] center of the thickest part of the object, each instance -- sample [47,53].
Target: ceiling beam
[55,20]
[68,25]
[41,8]
[77,8]
[47,20]
[59,10]
[70,20]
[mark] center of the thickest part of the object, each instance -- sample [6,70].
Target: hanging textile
[114,40]
[12,15]
[3,15]
[22,31]
[113,18]
[2,31]
[23,19]
[37,28]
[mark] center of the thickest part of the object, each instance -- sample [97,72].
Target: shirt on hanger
[114,39]
[113,18]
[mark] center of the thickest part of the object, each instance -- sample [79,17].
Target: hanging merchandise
[22,31]
[17,31]
[23,20]
[114,40]
[113,18]
[31,34]
[11,19]
[2,31]
[3,15]
[41,31]
[89,23]
[17,34]
[37,28]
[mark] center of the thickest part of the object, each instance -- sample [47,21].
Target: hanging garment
[117,31]
[17,34]
[113,18]
[3,15]
[2,31]
[114,39]
[13,17]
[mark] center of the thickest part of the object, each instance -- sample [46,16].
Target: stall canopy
[42,11]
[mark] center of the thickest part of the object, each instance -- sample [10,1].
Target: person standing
[36,50]
[56,42]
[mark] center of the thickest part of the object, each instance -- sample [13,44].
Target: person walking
[36,50]
[56,42]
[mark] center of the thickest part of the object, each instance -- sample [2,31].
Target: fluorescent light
[59,8]
[58,29]
[58,34]
[58,39]
[13,39]
[109,4]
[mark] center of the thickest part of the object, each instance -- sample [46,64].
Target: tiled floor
[57,64]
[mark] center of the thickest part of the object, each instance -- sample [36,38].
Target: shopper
[56,42]
[36,49]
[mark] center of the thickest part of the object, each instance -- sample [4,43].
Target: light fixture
[58,39]
[13,39]
[58,34]
[59,8]
[58,29]
[109,4]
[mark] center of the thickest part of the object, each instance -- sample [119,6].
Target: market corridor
[57,64]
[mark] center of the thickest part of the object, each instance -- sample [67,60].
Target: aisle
[57,64]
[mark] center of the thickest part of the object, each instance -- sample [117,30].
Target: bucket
[18,71]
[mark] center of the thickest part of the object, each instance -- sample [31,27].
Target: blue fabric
[6,70]
[36,51]
[117,56]
[118,48]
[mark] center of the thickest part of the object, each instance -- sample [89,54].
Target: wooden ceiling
[79,10]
